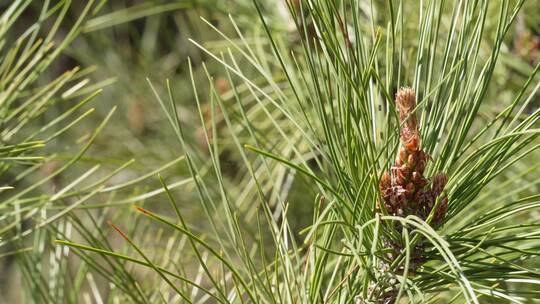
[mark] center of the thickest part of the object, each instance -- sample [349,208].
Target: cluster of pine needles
[284,151]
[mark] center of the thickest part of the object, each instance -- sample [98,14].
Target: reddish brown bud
[385,182]
[439,181]
[421,165]
[404,191]
[411,160]
[401,176]
[411,142]
[393,201]
[403,153]
[422,183]
[441,211]
[405,101]
[406,171]
[416,177]
[410,189]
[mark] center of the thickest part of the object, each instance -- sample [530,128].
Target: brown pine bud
[403,154]
[407,172]
[401,198]
[410,189]
[422,183]
[430,202]
[405,101]
[401,177]
[439,181]
[421,165]
[416,177]
[410,141]
[393,202]
[441,211]
[404,191]
[411,160]
[385,182]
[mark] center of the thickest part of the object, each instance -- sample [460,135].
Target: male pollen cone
[405,190]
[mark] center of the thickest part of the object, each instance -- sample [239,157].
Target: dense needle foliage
[307,151]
